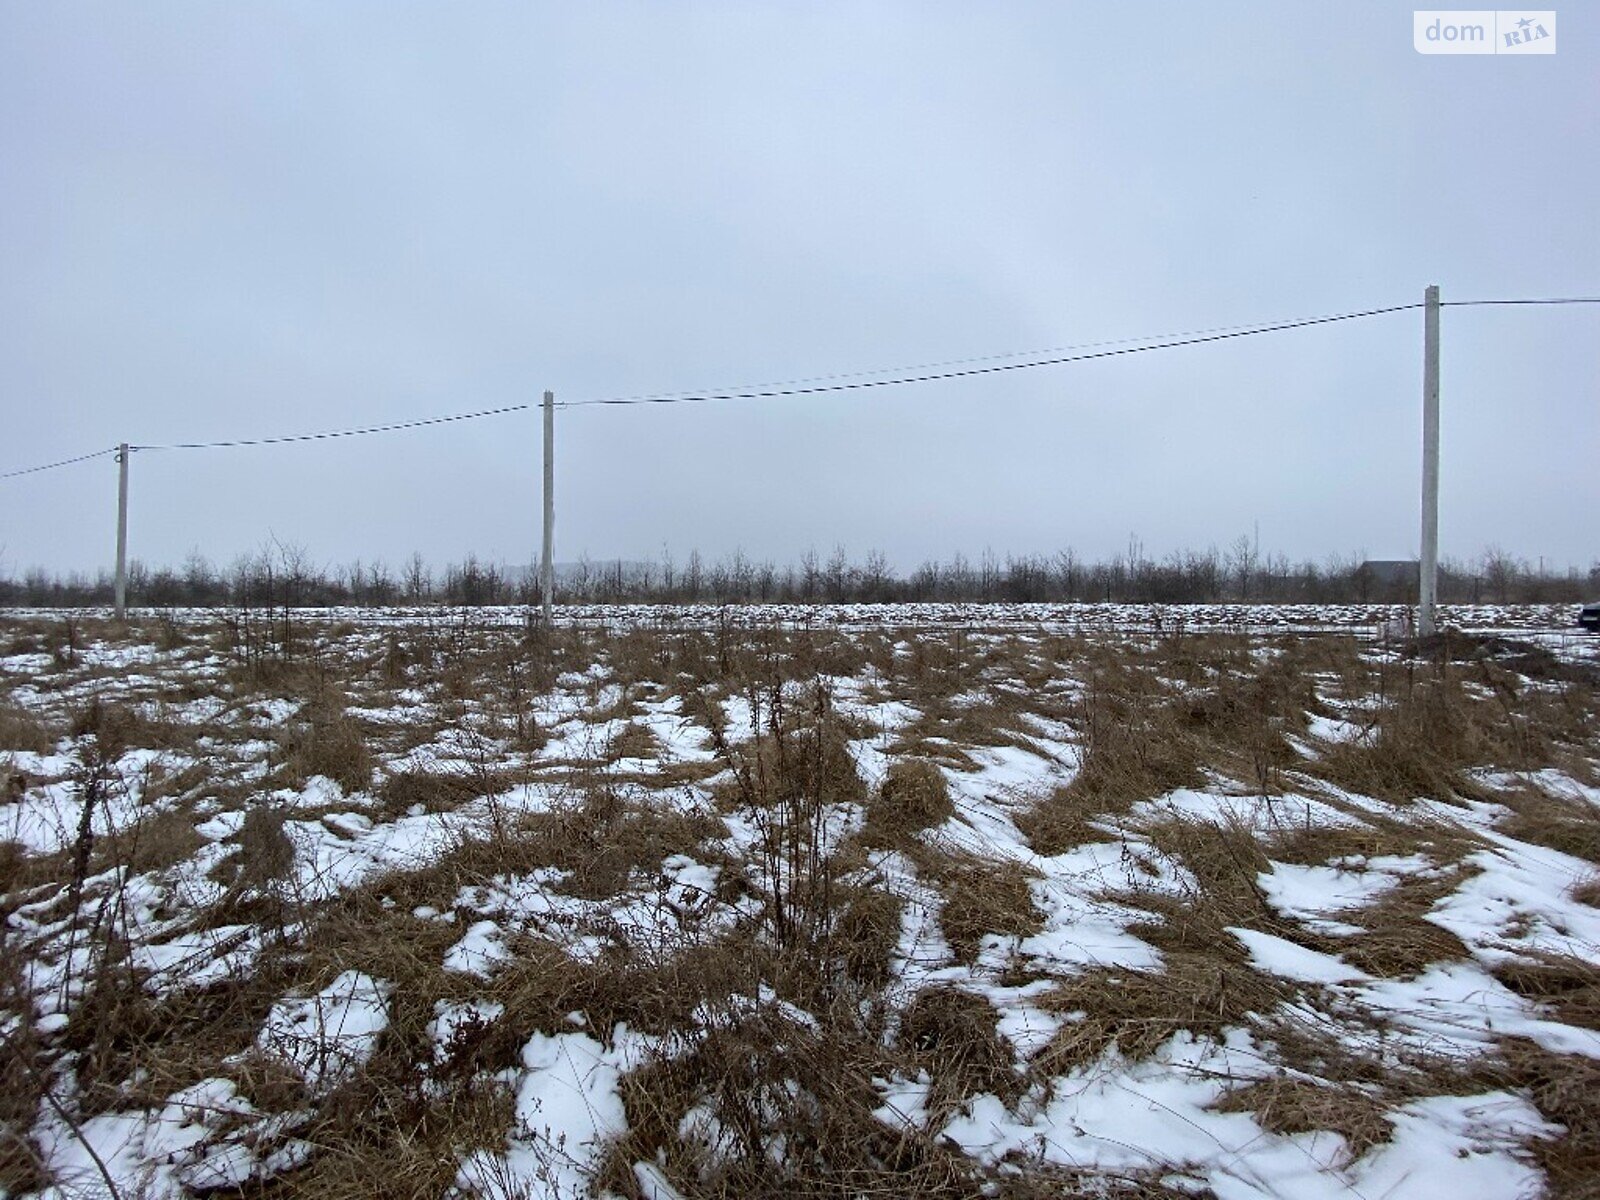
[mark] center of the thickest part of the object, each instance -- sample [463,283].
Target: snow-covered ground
[1482,618]
[205,752]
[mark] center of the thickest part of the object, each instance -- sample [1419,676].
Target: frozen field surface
[871,900]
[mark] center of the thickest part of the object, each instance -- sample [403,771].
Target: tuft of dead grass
[1134,748]
[982,897]
[402,791]
[265,852]
[1397,939]
[1202,993]
[951,1034]
[1588,891]
[324,740]
[912,796]
[1570,826]
[1289,1104]
[866,933]
[1565,984]
[1566,1089]
[160,838]
[22,729]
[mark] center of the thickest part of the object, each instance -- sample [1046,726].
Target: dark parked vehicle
[1589,617]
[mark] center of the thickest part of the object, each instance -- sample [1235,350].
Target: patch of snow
[325,1037]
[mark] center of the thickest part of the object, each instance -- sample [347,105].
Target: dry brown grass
[265,851]
[1206,984]
[322,740]
[1566,1089]
[116,728]
[1430,728]
[21,1076]
[816,927]
[1568,986]
[160,838]
[1203,992]
[434,791]
[1244,721]
[865,935]
[1289,1104]
[1397,940]
[1570,826]
[632,741]
[913,796]
[1133,748]
[762,1075]
[23,729]
[951,1034]
[1368,835]
[982,896]
[1588,891]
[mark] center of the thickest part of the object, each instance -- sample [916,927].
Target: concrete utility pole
[1429,583]
[547,566]
[122,531]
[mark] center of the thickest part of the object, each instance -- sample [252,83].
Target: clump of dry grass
[1564,983]
[1588,891]
[23,729]
[762,1105]
[13,782]
[1289,1104]
[1226,859]
[1366,836]
[1569,826]
[265,852]
[399,1124]
[982,896]
[384,1136]
[435,791]
[912,796]
[324,740]
[865,935]
[1397,941]
[114,727]
[951,1034]
[21,1074]
[160,838]
[1566,1089]
[1417,750]
[1203,993]
[1429,729]
[1206,984]
[632,741]
[1245,719]
[1133,748]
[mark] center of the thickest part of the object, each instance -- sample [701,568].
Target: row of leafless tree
[280,575]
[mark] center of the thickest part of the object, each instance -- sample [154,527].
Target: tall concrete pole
[547,566]
[1429,584]
[122,531]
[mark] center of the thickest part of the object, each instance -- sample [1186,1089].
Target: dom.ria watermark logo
[1484,31]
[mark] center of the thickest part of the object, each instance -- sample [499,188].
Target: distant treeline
[285,575]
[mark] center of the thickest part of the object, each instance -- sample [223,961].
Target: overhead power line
[932,366]
[1551,300]
[969,372]
[342,433]
[963,368]
[65,462]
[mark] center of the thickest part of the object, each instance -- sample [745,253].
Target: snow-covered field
[1243,618]
[904,899]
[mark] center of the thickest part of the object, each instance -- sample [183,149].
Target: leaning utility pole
[1428,587]
[547,566]
[122,531]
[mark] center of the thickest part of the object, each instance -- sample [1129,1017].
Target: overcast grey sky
[238,220]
